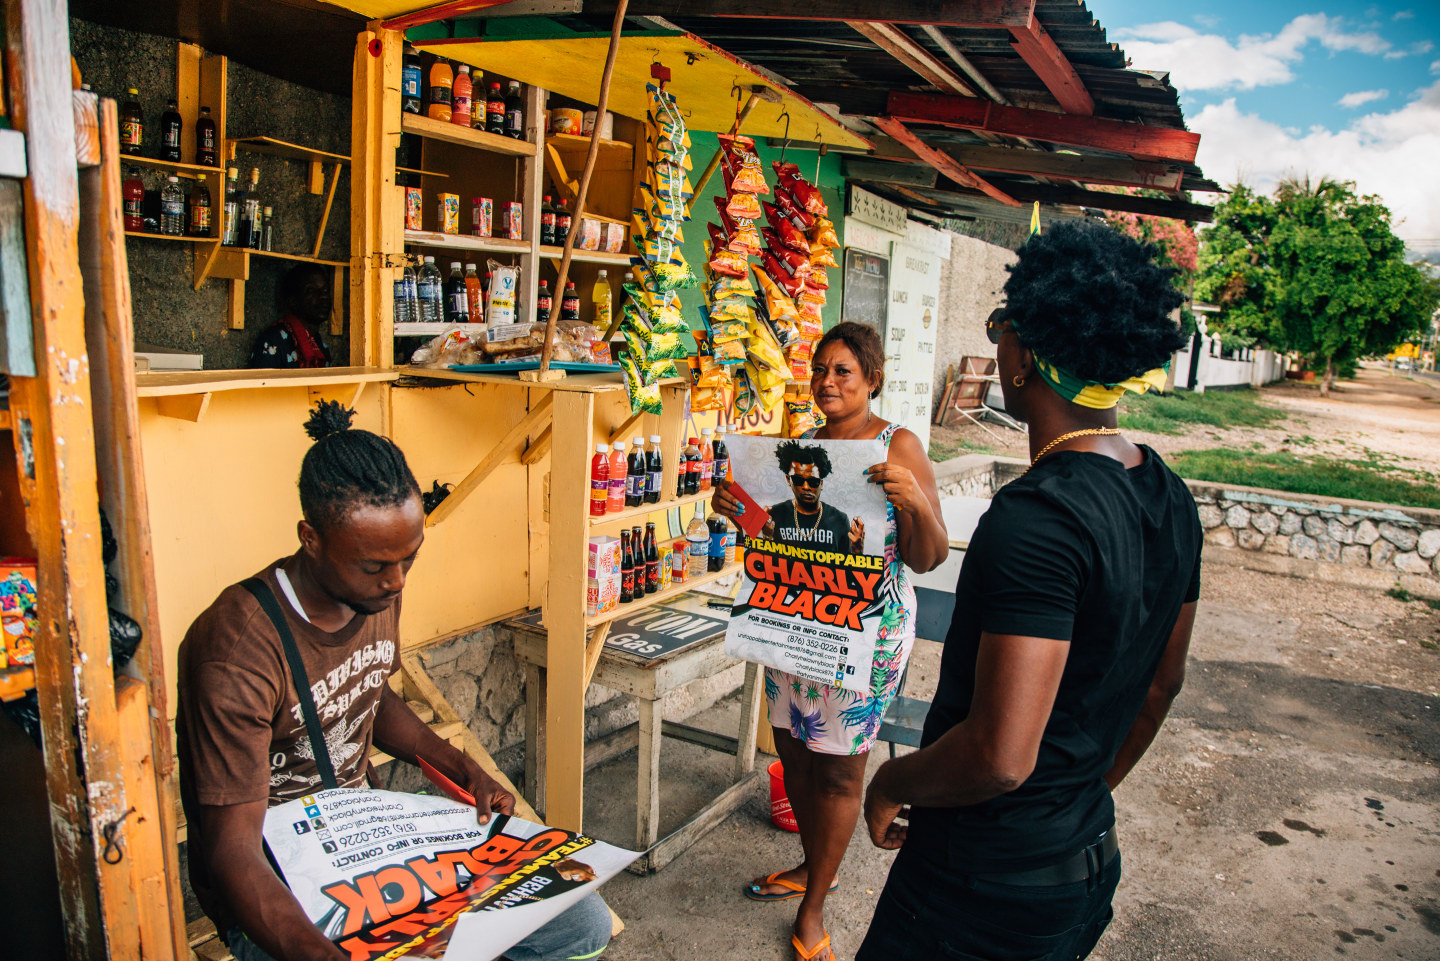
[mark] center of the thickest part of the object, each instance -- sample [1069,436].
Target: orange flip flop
[796,890]
[807,954]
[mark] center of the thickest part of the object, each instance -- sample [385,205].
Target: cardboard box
[412,209]
[482,216]
[602,594]
[604,557]
[512,220]
[18,621]
[612,237]
[448,214]
[589,238]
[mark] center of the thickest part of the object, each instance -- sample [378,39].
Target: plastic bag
[805,194]
[792,209]
[452,347]
[644,398]
[801,416]
[504,286]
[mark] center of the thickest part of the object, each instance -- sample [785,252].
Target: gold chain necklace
[818,514]
[1074,433]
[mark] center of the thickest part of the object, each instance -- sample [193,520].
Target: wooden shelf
[172,237]
[493,245]
[587,256]
[15,681]
[171,383]
[193,171]
[660,597]
[429,330]
[464,136]
[290,151]
[613,155]
[301,257]
[645,510]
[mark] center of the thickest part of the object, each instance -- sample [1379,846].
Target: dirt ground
[1393,414]
[1289,809]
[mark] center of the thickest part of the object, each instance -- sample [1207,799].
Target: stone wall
[971,283]
[1388,544]
[1370,545]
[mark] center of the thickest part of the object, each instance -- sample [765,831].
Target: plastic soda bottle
[618,474]
[635,479]
[442,80]
[654,471]
[601,296]
[707,458]
[599,480]
[461,90]
[411,80]
[474,295]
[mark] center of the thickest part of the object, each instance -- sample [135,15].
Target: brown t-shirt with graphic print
[240,732]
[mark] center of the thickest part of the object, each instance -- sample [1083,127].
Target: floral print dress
[831,720]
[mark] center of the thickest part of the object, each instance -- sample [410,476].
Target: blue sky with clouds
[1347,90]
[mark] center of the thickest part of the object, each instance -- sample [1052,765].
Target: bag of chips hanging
[789,206]
[743,206]
[743,172]
[644,398]
[725,262]
[805,194]
[801,416]
[822,234]
[745,396]
[730,352]
[821,257]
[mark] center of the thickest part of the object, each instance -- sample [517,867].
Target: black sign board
[866,289]
[656,631]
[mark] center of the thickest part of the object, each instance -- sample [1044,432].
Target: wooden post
[55,452]
[600,106]
[565,609]
[376,240]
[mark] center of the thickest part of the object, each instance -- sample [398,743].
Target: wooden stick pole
[590,158]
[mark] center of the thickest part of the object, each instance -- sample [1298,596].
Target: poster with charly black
[813,589]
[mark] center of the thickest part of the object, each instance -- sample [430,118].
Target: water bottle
[404,298]
[412,294]
[430,291]
[697,538]
[172,208]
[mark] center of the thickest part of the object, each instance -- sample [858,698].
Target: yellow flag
[1035,219]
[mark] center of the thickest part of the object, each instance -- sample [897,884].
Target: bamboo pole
[590,158]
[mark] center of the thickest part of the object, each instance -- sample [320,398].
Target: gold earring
[1018,381]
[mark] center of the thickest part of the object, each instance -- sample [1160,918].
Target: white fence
[1253,368]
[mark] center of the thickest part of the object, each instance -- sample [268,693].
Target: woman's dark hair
[864,343]
[347,468]
[1091,300]
[791,452]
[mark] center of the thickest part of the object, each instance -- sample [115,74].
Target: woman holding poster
[824,732]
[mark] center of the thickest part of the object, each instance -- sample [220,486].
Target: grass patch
[1366,480]
[941,451]
[1400,594]
[1180,411]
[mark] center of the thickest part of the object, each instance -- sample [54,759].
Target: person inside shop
[824,734]
[1072,621]
[805,519]
[295,340]
[307,645]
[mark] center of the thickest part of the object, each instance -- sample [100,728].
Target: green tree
[1317,270]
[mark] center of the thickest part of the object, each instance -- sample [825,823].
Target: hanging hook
[785,115]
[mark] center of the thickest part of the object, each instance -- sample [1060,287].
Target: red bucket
[780,814]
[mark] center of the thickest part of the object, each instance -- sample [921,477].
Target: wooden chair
[968,393]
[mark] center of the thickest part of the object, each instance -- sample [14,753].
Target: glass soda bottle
[627,569]
[652,560]
[457,298]
[599,480]
[411,80]
[172,208]
[495,111]
[206,154]
[514,112]
[170,127]
[654,471]
[442,79]
[199,219]
[697,542]
[132,124]
[547,221]
[570,302]
[250,213]
[430,293]
[460,93]
[563,219]
[543,303]
[635,474]
[474,296]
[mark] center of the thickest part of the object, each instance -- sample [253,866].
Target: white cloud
[1207,20]
[1361,97]
[1404,15]
[1206,61]
[1389,154]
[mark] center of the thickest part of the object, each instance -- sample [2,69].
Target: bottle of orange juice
[442,80]
[460,92]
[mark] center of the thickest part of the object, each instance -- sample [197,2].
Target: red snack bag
[725,262]
[807,195]
[794,261]
[787,202]
[792,237]
[781,275]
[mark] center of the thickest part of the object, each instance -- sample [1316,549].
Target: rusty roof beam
[1119,171]
[942,162]
[1132,139]
[1054,69]
[981,14]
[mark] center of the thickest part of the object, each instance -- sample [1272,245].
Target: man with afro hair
[805,519]
[1072,621]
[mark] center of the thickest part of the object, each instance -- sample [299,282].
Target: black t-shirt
[1083,550]
[831,533]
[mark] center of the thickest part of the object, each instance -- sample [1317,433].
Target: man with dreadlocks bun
[304,647]
[1072,621]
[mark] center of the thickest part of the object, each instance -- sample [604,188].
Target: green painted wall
[702,211]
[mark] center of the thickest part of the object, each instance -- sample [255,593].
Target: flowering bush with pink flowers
[1178,245]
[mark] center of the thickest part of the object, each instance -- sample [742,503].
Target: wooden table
[648,680]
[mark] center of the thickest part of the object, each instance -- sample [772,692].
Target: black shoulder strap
[271,607]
